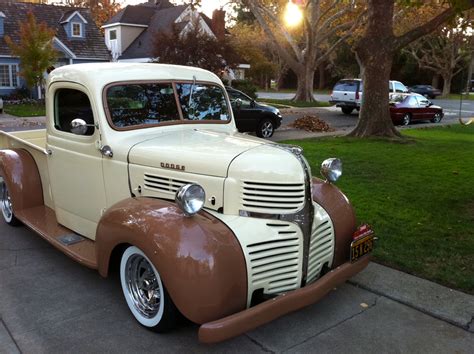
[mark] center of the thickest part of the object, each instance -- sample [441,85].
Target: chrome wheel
[436,118]
[142,287]
[406,119]
[266,129]
[6,203]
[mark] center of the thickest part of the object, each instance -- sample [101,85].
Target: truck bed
[33,141]
[32,138]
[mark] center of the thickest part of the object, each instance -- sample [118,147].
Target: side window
[390,85]
[71,104]
[412,102]
[400,87]
[246,101]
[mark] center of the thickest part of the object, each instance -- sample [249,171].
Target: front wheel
[266,128]
[7,206]
[436,118]
[145,293]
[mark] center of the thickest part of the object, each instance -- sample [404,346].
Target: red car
[413,107]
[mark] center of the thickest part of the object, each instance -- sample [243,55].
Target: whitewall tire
[145,293]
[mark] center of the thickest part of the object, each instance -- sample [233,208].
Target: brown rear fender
[342,215]
[199,259]
[21,175]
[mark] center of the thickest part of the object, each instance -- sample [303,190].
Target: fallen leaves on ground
[311,124]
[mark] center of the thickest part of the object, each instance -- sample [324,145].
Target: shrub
[246,87]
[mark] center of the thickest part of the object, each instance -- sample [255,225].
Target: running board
[43,221]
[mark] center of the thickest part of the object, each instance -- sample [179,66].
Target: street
[450,107]
[50,304]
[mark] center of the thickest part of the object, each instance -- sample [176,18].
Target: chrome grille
[275,264]
[162,184]
[272,197]
[321,249]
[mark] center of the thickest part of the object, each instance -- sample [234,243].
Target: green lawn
[286,103]
[25,110]
[457,96]
[418,195]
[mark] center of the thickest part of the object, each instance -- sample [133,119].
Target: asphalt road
[450,107]
[50,304]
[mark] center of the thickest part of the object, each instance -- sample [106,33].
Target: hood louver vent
[163,184]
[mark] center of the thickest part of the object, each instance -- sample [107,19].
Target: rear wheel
[406,119]
[7,206]
[266,128]
[145,293]
[347,110]
[436,118]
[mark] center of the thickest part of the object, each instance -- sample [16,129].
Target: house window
[76,29]
[113,35]
[9,75]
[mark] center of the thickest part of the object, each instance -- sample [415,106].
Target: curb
[433,299]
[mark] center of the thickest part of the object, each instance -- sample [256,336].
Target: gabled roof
[162,20]
[66,17]
[92,46]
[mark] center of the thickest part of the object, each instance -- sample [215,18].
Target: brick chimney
[218,23]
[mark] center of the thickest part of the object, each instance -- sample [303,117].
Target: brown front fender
[198,258]
[342,215]
[19,170]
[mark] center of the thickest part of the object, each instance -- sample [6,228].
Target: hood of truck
[197,151]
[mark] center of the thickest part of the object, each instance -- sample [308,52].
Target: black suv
[251,116]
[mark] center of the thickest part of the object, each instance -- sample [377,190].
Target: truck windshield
[136,105]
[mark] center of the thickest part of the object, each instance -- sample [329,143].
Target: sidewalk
[11,123]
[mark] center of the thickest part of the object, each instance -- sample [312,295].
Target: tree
[195,48]
[375,50]
[253,47]
[445,51]
[35,50]
[326,24]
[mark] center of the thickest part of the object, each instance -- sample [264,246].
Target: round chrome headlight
[331,169]
[190,198]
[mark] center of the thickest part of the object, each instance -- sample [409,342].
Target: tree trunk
[469,73]
[322,76]
[281,74]
[435,81]
[375,53]
[447,78]
[304,91]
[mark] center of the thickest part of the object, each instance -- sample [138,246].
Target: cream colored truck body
[80,184]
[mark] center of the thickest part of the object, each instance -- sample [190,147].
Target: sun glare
[293,15]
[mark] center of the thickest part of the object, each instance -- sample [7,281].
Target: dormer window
[76,29]
[113,35]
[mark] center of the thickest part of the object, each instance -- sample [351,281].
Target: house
[129,34]
[77,39]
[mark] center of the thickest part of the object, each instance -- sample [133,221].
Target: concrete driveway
[50,304]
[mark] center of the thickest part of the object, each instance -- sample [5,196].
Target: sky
[207,6]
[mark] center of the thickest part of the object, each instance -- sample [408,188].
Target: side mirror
[79,126]
[238,103]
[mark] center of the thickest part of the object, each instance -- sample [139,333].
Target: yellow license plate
[361,247]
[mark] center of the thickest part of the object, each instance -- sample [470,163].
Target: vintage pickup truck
[141,168]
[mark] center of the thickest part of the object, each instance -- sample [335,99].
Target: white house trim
[80,30]
[124,24]
[64,48]
[72,15]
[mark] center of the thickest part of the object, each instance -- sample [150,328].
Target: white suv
[347,93]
